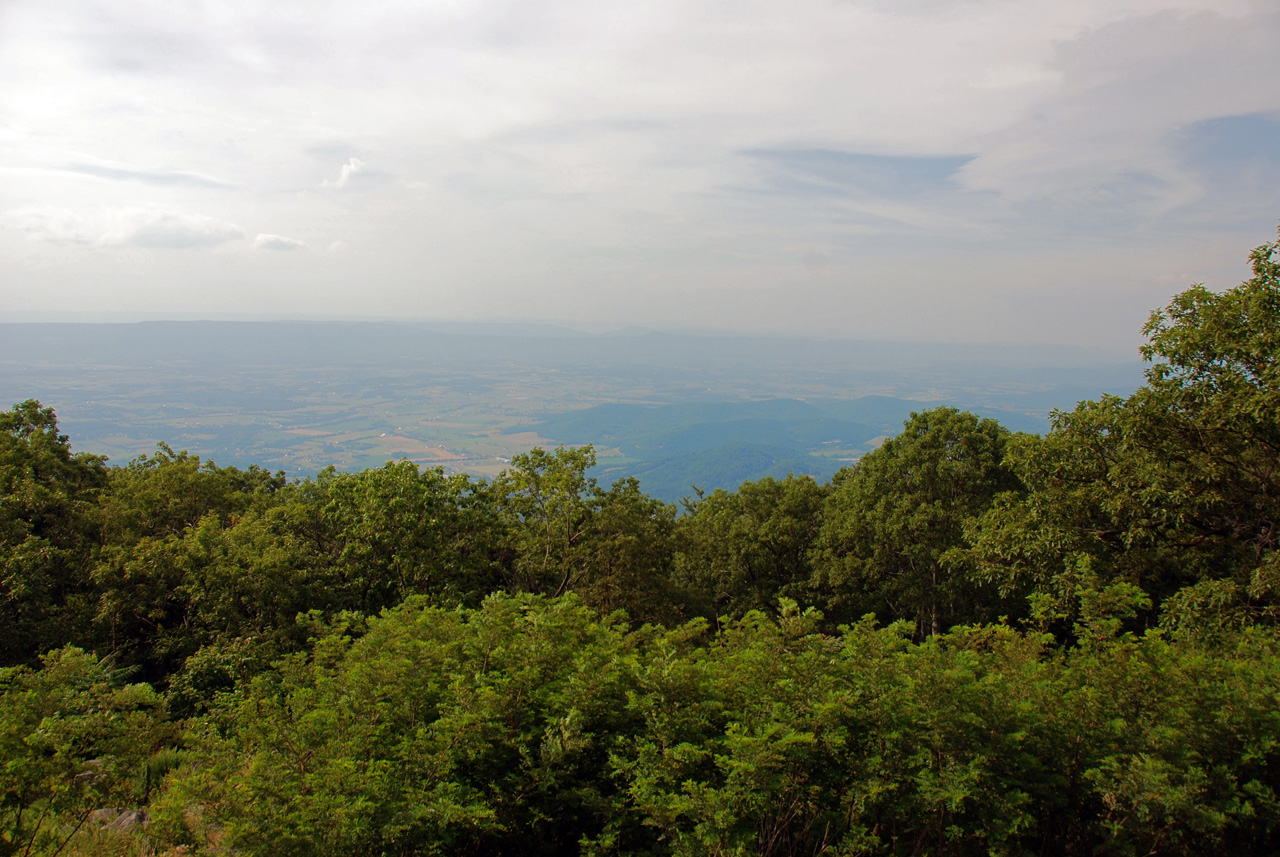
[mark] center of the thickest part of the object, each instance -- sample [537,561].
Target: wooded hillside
[970,642]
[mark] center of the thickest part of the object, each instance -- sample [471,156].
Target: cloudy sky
[960,170]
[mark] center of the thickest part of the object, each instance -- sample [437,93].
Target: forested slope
[971,642]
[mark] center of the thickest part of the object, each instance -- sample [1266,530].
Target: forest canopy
[971,641]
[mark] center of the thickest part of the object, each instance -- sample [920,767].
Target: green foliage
[531,727]
[72,740]
[742,550]
[396,531]
[1169,488]
[893,517]
[630,557]
[259,554]
[549,504]
[343,672]
[48,499]
[1175,745]
[439,731]
[1208,416]
[165,493]
[565,533]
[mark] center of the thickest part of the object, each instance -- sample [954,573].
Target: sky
[932,170]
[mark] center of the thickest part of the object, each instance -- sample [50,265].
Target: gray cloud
[825,172]
[127,38]
[1125,89]
[331,150]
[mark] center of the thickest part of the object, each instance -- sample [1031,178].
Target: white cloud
[1125,89]
[349,169]
[134,226]
[162,178]
[166,228]
[266,241]
[568,145]
[57,225]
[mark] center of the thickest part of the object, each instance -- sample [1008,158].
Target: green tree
[1072,531]
[741,550]
[165,493]
[893,517]
[1208,414]
[629,557]
[395,531]
[48,529]
[439,731]
[1175,486]
[549,504]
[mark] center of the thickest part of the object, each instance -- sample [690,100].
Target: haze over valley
[676,409]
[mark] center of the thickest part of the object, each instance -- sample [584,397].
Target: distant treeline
[970,642]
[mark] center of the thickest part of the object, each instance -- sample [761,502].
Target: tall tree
[630,554]
[1174,487]
[893,517]
[549,503]
[48,528]
[395,531]
[742,550]
[1210,413]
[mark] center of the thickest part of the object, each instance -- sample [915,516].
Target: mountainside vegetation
[970,642]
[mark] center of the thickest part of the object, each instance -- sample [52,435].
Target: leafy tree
[728,761]
[742,550]
[1165,748]
[48,524]
[151,512]
[165,493]
[1175,486]
[437,732]
[549,504]
[564,533]
[1208,414]
[629,558]
[395,531]
[893,517]
[143,614]
[1072,532]
[260,554]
